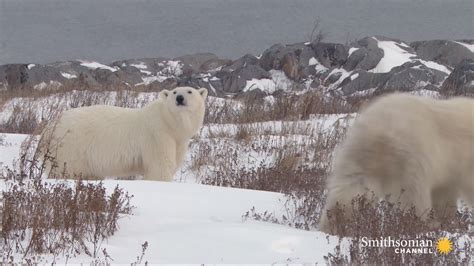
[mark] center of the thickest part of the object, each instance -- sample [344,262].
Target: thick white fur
[421,145]
[102,141]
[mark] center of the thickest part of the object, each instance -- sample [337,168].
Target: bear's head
[184,99]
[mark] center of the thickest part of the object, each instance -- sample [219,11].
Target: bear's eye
[174,92]
[190,92]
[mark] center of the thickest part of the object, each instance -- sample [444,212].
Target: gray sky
[42,31]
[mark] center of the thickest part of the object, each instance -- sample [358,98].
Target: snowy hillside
[190,223]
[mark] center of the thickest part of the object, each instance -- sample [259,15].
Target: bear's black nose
[180,100]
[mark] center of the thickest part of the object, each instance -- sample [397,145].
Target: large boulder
[411,76]
[14,76]
[292,59]
[364,54]
[461,80]
[448,53]
[330,54]
[235,81]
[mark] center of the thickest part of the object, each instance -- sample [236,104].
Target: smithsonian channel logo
[413,246]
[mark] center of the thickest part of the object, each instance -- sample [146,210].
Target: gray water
[43,31]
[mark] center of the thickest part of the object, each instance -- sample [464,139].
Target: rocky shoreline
[369,66]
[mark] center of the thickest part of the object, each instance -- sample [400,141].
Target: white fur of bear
[100,141]
[422,146]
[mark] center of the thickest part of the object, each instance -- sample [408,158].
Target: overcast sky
[42,31]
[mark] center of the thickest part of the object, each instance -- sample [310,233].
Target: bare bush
[378,219]
[53,218]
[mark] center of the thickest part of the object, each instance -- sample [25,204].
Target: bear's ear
[203,92]
[163,94]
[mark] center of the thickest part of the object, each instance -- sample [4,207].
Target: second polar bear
[100,141]
[422,146]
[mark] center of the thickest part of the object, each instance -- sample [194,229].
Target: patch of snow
[146,72]
[269,99]
[148,80]
[467,45]
[351,50]
[68,75]
[318,66]
[173,68]
[140,65]
[364,92]
[95,65]
[427,93]
[51,84]
[356,75]
[434,65]
[30,66]
[393,56]
[214,78]
[313,61]
[282,82]
[344,75]
[266,85]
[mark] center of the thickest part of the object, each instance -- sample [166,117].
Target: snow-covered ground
[192,223]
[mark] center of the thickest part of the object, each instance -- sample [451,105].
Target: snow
[192,223]
[319,67]
[95,65]
[50,84]
[313,61]
[266,85]
[434,65]
[344,74]
[279,81]
[140,65]
[393,56]
[467,45]
[356,75]
[10,149]
[30,66]
[148,80]
[351,50]
[68,75]
[174,67]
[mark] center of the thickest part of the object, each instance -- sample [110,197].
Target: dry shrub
[374,219]
[22,120]
[287,107]
[53,218]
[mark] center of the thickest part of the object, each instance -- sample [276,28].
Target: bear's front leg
[160,165]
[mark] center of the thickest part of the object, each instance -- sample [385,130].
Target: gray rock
[195,61]
[15,76]
[461,80]
[245,60]
[292,59]
[447,53]
[330,54]
[366,57]
[235,81]
[409,77]
[363,83]
[213,65]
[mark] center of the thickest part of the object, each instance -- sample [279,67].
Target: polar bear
[100,141]
[420,145]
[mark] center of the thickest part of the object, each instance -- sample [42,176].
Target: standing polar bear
[99,141]
[422,146]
